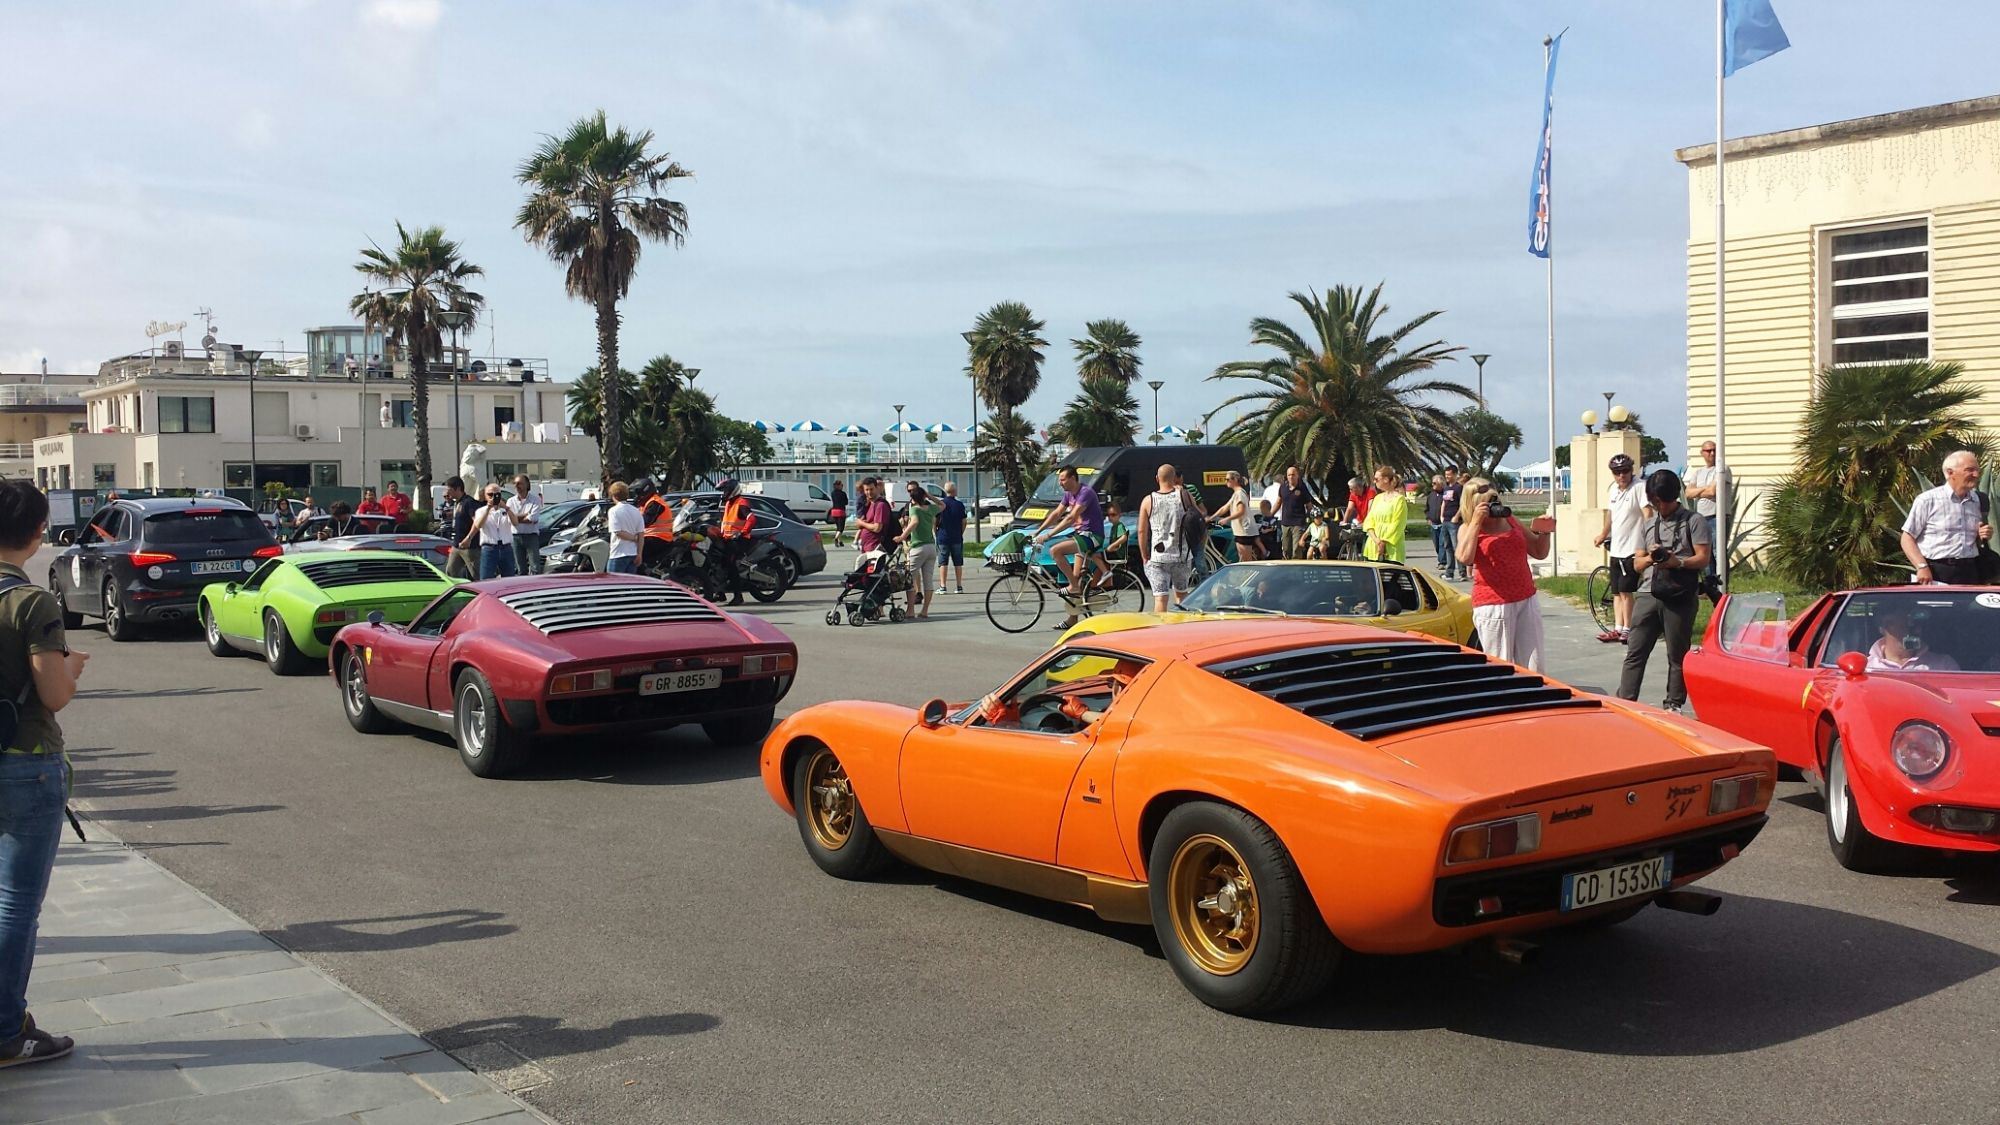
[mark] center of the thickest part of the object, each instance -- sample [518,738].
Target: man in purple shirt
[1080,509]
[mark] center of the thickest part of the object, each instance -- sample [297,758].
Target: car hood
[1546,754]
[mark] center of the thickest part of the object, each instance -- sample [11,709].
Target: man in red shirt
[395,503]
[369,506]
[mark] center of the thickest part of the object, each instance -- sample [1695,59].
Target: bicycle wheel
[1597,594]
[1014,603]
[1128,593]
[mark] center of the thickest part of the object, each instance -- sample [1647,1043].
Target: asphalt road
[635,932]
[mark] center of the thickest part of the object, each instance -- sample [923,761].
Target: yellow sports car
[1383,594]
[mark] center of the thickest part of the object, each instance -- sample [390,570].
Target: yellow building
[1863,241]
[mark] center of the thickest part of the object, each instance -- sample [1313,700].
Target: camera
[1496,510]
[1660,555]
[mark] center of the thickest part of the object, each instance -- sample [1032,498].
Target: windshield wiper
[1244,609]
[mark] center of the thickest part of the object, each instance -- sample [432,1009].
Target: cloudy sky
[870,174]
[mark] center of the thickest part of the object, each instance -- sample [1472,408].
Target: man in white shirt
[1705,485]
[524,506]
[1624,512]
[627,526]
[1948,526]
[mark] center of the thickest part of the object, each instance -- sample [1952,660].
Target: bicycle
[1018,597]
[1597,594]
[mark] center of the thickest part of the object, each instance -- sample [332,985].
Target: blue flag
[1750,31]
[1538,188]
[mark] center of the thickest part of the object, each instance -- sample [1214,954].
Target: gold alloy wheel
[1214,904]
[829,800]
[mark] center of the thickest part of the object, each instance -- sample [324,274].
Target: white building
[34,406]
[175,419]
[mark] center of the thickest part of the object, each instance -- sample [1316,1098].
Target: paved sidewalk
[183,1013]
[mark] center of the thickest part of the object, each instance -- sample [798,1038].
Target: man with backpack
[1673,552]
[38,673]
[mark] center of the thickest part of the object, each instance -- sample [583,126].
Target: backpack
[10,708]
[1194,526]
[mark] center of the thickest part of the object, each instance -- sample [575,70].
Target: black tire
[1856,848]
[775,569]
[1128,593]
[69,620]
[281,655]
[355,701]
[740,730]
[790,569]
[1014,603]
[116,625]
[487,745]
[212,636]
[1597,595]
[832,823]
[1472,642]
[1289,955]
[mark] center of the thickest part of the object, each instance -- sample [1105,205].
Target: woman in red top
[1497,548]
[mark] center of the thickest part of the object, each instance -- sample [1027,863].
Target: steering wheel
[1043,713]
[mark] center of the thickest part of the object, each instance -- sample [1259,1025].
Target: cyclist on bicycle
[1079,508]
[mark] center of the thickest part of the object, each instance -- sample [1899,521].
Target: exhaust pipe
[1690,902]
[1514,951]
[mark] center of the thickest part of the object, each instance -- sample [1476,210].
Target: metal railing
[36,394]
[786,451]
[17,449]
[304,367]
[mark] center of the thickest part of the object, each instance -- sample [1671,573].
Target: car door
[88,565]
[1422,611]
[1753,680]
[399,659]
[997,777]
[239,611]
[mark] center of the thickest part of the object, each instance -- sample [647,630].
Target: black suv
[147,560]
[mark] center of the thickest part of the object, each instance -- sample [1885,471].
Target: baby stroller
[869,591]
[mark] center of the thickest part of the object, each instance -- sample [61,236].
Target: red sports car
[496,664]
[1887,699]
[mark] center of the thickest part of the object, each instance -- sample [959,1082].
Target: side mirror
[1391,607]
[375,617]
[932,715]
[1853,665]
[229,588]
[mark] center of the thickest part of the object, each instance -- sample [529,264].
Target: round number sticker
[1988,601]
[76,570]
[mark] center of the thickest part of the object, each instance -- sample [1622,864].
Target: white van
[810,501]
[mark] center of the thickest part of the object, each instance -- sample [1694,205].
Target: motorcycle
[584,552]
[694,558]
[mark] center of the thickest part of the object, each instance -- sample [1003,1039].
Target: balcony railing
[294,365]
[17,449]
[786,451]
[36,394]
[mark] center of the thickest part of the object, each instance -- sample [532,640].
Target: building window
[503,416]
[326,474]
[146,475]
[403,412]
[103,476]
[189,414]
[404,473]
[1881,297]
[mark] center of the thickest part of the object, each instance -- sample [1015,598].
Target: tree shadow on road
[546,1037]
[395,931]
[1761,973]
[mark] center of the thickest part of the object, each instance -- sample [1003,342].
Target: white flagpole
[1723,487]
[1555,478]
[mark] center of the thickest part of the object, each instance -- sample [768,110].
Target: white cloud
[402,15]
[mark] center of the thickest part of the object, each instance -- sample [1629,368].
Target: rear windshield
[330,573]
[203,525]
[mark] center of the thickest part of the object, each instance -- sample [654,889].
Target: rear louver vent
[590,605]
[361,572]
[1375,690]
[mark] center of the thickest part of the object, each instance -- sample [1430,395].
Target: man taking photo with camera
[1673,551]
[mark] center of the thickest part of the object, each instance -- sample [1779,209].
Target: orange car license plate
[1609,884]
[664,683]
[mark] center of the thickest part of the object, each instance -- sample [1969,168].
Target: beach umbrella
[1171,430]
[852,430]
[906,428]
[764,427]
[940,428]
[808,427]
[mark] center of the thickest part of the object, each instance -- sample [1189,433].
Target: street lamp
[1620,415]
[972,455]
[453,319]
[253,355]
[899,437]
[1480,359]
[1590,421]
[1156,384]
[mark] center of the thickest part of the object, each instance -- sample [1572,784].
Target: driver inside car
[1900,647]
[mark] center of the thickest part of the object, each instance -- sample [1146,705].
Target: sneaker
[34,1045]
[1065,623]
[1674,708]
[960,590]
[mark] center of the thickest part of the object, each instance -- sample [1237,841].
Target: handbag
[1194,525]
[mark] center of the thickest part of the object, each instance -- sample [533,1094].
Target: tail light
[336,616]
[270,552]
[769,662]
[572,682]
[1495,839]
[151,558]
[1729,794]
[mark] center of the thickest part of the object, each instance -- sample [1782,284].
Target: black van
[1126,473]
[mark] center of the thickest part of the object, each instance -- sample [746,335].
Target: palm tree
[1000,442]
[1005,347]
[1342,396]
[1108,351]
[1102,413]
[593,195]
[1867,438]
[408,286]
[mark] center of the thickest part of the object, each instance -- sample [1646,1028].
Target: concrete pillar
[1580,519]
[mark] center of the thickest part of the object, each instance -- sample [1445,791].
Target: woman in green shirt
[920,537]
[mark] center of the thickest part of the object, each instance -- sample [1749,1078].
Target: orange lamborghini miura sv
[1268,794]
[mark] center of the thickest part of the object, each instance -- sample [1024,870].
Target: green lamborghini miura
[289,608]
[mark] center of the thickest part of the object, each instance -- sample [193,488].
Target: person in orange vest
[737,523]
